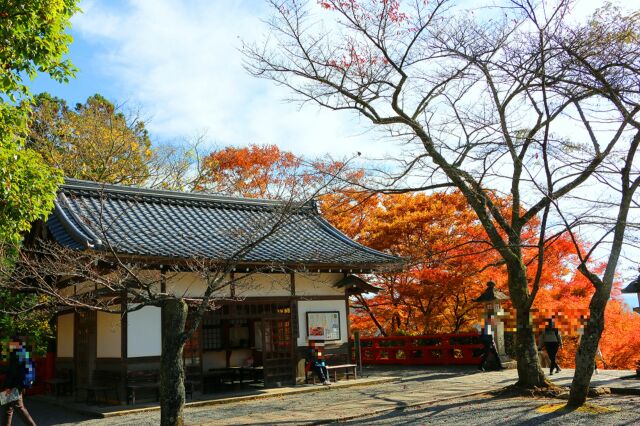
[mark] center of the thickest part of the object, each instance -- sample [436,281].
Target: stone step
[507,362]
[510,364]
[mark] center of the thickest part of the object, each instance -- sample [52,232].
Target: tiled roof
[168,224]
[356,285]
[491,294]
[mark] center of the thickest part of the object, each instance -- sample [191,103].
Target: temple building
[290,272]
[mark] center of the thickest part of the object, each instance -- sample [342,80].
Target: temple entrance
[277,352]
[248,344]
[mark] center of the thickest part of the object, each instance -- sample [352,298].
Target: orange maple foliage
[568,302]
[254,171]
[449,257]
[449,260]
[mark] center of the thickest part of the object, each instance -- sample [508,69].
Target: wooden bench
[62,383]
[137,380]
[102,382]
[347,370]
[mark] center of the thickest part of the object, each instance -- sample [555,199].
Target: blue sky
[178,64]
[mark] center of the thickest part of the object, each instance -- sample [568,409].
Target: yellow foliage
[93,141]
[586,408]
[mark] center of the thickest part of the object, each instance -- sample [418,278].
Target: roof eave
[152,262]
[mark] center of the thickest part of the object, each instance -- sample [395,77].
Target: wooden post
[292,285]
[124,367]
[358,349]
[232,286]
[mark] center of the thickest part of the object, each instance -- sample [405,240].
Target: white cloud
[180,62]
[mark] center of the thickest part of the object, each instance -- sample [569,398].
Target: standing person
[21,374]
[552,341]
[601,358]
[489,347]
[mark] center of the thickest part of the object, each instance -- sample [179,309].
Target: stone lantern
[491,299]
[634,287]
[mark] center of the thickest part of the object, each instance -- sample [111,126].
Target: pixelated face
[14,344]
[8,346]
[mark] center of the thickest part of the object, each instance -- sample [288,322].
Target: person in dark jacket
[552,341]
[488,347]
[20,375]
[318,365]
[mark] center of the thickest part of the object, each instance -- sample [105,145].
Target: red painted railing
[435,349]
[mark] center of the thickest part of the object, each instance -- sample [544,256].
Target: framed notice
[323,325]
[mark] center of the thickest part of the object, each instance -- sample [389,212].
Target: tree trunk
[172,396]
[586,355]
[530,373]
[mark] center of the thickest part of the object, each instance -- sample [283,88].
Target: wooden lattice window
[212,334]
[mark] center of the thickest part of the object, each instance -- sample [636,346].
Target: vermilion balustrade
[435,349]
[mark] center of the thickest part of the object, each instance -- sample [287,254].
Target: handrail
[432,349]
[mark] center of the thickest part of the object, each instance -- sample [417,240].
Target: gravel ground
[431,385]
[478,410]
[486,410]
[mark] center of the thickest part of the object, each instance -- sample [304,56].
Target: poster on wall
[323,325]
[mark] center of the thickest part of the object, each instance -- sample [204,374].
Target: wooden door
[85,346]
[277,352]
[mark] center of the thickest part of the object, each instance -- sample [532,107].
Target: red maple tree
[449,257]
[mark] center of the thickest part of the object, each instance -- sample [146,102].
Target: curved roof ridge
[344,237]
[78,184]
[69,222]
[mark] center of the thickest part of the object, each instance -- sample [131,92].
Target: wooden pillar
[348,330]
[124,368]
[292,284]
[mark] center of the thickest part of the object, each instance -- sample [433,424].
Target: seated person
[317,363]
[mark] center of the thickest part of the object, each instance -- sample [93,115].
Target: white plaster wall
[192,285]
[318,284]
[65,335]
[144,332]
[217,359]
[84,287]
[263,285]
[109,335]
[67,291]
[213,359]
[239,357]
[305,306]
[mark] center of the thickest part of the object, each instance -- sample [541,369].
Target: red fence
[45,370]
[435,349]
